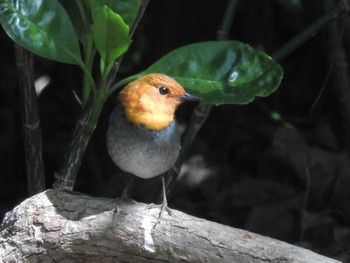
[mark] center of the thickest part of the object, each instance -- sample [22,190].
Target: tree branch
[57,226]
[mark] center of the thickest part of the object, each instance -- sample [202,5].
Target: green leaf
[111,37]
[127,9]
[79,13]
[221,72]
[41,26]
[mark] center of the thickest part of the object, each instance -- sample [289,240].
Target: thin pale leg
[125,192]
[164,203]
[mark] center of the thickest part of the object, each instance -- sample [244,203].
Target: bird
[143,136]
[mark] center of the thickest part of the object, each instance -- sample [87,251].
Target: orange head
[151,100]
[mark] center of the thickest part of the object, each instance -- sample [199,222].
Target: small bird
[143,137]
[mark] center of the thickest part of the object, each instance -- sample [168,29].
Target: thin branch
[226,23]
[66,176]
[310,31]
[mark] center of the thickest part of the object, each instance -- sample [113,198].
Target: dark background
[288,177]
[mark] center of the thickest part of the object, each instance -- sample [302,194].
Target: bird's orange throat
[151,118]
[146,109]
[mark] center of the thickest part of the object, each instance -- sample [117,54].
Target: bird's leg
[164,203]
[125,192]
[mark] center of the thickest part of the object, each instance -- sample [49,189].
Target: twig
[310,31]
[223,32]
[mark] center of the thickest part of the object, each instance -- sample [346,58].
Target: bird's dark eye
[163,90]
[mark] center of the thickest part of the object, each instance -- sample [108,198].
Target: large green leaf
[111,36]
[41,26]
[221,72]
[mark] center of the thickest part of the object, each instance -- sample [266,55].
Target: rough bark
[57,226]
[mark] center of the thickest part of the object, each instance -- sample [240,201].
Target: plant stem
[203,110]
[31,123]
[223,32]
[94,101]
[89,55]
[310,31]
[197,120]
[111,78]
[66,176]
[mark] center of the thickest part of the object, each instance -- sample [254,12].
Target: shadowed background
[278,166]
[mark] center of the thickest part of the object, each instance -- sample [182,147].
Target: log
[58,226]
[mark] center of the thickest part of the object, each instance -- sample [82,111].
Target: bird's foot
[124,196]
[164,207]
[164,203]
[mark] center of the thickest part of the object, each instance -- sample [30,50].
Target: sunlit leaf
[42,27]
[111,36]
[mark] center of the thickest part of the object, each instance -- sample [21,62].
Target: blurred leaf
[111,36]
[221,72]
[127,9]
[42,27]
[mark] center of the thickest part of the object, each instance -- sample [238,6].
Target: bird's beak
[188,97]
